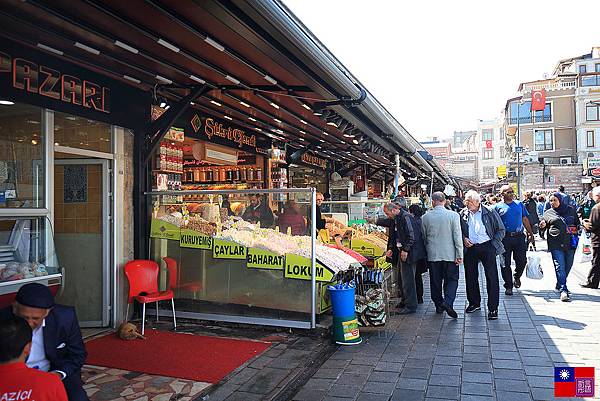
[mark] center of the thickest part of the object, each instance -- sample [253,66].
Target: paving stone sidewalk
[428,356]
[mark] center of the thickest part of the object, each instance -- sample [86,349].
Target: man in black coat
[57,345]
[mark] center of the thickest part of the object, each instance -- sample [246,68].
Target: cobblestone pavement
[428,356]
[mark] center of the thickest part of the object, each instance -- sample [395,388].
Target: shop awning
[267,72]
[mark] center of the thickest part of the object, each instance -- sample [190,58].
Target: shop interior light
[274,105]
[244,104]
[321,140]
[126,47]
[303,122]
[301,139]
[232,79]
[349,136]
[258,129]
[307,107]
[270,79]
[163,79]
[277,120]
[228,118]
[168,45]
[325,133]
[50,49]
[318,113]
[132,79]
[252,119]
[6,102]
[302,132]
[354,141]
[87,48]
[214,43]
[195,78]
[34,142]
[216,103]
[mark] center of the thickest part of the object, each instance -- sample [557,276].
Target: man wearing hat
[56,346]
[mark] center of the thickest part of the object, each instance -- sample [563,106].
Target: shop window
[21,156]
[590,139]
[582,69]
[597,67]
[78,132]
[589,80]
[544,139]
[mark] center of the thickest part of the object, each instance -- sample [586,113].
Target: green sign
[223,249]
[161,229]
[366,248]
[262,259]
[299,267]
[194,239]
[382,263]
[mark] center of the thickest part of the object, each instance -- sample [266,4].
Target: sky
[439,66]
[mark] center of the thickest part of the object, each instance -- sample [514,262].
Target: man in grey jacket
[443,240]
[483,231]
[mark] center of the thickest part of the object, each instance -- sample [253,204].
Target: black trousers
[74,388]
[486,254]
[420,268]
[593,278]
[514,247]
[443,276]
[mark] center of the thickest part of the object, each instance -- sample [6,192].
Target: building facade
[492,154]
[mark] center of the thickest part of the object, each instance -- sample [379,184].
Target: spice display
[200,225]
[173,218]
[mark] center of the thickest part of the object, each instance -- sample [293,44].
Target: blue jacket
[61,328]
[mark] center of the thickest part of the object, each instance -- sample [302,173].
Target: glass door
[82,227]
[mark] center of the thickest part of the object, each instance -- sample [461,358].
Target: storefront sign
[161,229]
[594,172]
[223,249]
[501,171]
[366,248]
[33,77]
[313,160]
[299,267]
[194,239]
[235,135]
[261,259]
[382,263]
[175,134]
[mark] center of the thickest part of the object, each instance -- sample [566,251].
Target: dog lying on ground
[128,331]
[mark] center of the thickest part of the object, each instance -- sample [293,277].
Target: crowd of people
[492,230]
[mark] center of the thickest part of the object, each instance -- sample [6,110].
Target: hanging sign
[223,249]
[313,160]
[161,229]
[262,259]
[194,239]
[299,267]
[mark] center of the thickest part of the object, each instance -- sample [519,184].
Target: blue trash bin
[345,324]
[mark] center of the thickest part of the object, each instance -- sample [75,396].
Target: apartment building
[465,156]
[492,154]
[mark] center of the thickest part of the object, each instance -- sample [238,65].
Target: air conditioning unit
[565,160]
[590,154]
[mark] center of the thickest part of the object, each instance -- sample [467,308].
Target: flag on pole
[538,100]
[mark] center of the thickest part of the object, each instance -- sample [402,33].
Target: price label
[299,267]
[262,259]
[194,239]
[161,229]
[223,249]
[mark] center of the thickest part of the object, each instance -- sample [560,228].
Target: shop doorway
[82,236]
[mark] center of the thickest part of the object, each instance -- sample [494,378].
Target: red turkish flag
[488,144]
[538,100]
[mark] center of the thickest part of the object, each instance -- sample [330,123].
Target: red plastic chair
[174,279]
[143,278]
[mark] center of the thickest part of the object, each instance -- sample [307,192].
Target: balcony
[529,120]
[549,86]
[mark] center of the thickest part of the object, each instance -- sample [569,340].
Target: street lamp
[518,149]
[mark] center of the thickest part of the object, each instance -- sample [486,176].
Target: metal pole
[518,153]
[431,188]
[313,258]
[397,175]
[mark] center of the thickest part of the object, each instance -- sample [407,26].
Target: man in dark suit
[57,345]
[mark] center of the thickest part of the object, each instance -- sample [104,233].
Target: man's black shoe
[508,291]
[419,300]
[493,315]
[517,282]
[472,308]
[451,312]
[406,311]
[439,309]
[587,285]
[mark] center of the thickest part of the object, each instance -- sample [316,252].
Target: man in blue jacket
[57,346]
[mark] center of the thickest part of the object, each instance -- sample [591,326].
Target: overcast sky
[440,66]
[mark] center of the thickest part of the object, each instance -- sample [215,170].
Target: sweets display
[17,271]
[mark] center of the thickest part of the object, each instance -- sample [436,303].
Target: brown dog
[128,331]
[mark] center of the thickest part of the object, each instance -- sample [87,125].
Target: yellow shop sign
[382,263]
[194,239]
[223,249]
[161,229]
[366,248]
[262,259]
[299,267]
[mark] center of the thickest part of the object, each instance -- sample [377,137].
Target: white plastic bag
[533,270]
[584,248]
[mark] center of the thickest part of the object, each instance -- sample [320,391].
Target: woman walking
[562,227]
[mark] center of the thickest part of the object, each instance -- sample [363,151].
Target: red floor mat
[187,356]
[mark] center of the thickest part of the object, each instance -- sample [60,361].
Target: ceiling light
[325,133]
[322,140]
[332,124]
[132,79]
[50,49]
[34,142]
[214,44]
[232,79]
[274,105]
[126,47]
[163,104]
[252,119]
[6,102]
[349,136]
[302,132]
[168,45]
[301,139]
[307,107]
[277,120]
[87,48]
[216,103]
[163,79]
[258,129]
[303,122]
[270,79]
[195,78]
[317,113]
[245,104]
[354,141]
[228,118]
